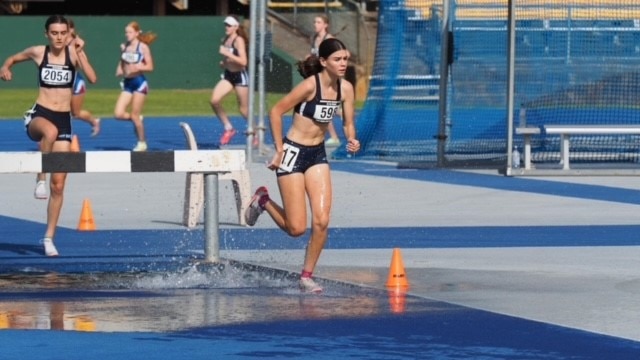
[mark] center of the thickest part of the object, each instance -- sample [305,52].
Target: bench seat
[566,131]
[527,132]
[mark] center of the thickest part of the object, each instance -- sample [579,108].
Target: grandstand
[532,9]
[315,5]
[576,62]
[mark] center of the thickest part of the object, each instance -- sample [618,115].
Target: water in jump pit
[195,296]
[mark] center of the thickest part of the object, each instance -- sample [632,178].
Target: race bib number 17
[289,157]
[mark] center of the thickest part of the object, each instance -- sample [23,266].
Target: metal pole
[211,219]
[261,73]
[252,75]
[444,80]
[569,25]
[511,56]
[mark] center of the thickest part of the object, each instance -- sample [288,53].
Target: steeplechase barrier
[210,163]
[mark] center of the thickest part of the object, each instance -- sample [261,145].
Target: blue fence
[570,70]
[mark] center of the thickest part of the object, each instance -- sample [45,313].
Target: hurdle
[210,163]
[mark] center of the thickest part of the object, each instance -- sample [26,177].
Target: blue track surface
[449,333]
[430,330]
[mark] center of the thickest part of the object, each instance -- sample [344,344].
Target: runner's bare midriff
[55,99]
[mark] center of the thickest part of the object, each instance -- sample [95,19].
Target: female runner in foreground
[300,159]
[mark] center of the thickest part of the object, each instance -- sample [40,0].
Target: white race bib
[56,76]
[131,58]
[326,111]
[289,157]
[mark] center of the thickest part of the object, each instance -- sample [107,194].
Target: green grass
[160,102]
[100,102]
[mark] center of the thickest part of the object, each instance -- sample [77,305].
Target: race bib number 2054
[56,76]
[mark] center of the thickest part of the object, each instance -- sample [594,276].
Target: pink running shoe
[226,136]
[255,207]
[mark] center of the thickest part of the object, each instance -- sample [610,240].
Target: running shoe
[28,115]
[307,285]
[255,208]
[226,136]
[96,127]
[140,146]
[49,248]
[41,190]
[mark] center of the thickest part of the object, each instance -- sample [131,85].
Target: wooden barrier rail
[210,163]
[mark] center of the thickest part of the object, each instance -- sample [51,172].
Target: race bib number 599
[326,111]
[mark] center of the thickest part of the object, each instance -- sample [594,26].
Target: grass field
[160,102]
[100,102]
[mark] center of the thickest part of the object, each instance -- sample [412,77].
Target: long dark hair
[55,19]
[311,65]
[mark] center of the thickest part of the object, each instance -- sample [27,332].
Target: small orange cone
[5,320]
[86,222]
[397,276]
[84,323]
[75,144]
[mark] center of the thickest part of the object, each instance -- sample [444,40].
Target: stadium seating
[290,4]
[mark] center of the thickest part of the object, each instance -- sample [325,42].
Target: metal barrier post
[211,222]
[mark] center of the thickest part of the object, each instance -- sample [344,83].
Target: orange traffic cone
[84,323]
[75,144]
[397,276]
[86,222]
[5,320]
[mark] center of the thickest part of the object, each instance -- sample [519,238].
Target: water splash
[191,276]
